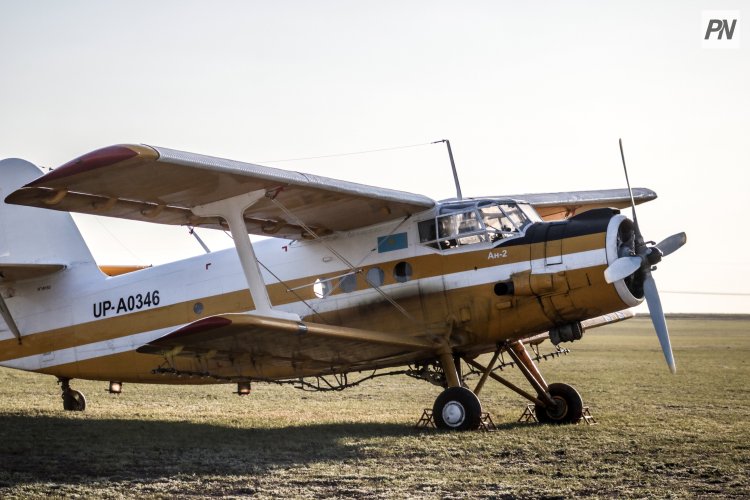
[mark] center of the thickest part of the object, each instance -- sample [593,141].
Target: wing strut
[232,210]
[9,319]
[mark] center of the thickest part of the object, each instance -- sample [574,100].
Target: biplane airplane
[353,279]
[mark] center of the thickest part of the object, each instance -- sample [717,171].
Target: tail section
[33,241]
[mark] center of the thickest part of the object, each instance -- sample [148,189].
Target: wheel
[458,409]
[74,400]
[569,409]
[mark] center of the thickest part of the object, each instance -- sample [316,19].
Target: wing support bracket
[232,210]
[8,317]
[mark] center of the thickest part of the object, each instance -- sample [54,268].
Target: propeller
[674,242]
[637,259]
[622,268]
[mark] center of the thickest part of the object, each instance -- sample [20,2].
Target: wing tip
[96,159]
[201,325]
[205,324]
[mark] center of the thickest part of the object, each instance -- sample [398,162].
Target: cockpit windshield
[476,221]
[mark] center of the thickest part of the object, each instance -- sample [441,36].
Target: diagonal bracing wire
[350,154]
[340,257]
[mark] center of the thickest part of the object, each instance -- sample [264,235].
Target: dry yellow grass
[658,435]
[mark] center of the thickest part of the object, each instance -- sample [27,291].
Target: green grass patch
[658,435]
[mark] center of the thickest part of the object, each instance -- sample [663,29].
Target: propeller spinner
[636,259]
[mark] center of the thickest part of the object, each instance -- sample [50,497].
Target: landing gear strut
[458,408]
[555,403]
[72,400]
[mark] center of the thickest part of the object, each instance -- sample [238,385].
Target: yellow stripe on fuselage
[424,266]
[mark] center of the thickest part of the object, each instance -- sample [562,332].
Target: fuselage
[480,284]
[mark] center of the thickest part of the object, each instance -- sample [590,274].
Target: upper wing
[554,206]
[264,347]
[162,185]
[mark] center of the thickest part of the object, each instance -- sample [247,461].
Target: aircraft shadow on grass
[71,451]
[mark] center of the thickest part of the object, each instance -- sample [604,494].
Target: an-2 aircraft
[355,278]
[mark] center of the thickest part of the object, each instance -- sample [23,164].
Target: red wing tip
[202,325]
[90,161]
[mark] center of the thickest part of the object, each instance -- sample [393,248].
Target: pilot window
[503,220]
[463,228]
[469,223]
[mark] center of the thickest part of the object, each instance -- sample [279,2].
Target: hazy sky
[532,95]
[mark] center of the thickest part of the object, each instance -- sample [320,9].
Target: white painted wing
[161,185]
[555,206]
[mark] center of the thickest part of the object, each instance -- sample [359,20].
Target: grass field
[657,435]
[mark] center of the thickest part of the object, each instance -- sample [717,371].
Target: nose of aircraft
[634,262]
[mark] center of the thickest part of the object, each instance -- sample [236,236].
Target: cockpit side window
[516,216]
[504,220]
[462,228]
[473,222]
[427,233]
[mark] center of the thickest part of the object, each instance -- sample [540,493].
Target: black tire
[457,409]
[570,406]
[74,400]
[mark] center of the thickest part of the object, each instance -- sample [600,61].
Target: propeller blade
[639,237]
[674,242]
[622,268]
[657,318]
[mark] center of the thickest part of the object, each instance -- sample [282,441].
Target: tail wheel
[569,408]
[74,400]
[458,409]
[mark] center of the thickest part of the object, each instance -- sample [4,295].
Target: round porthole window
[402,272]
[348,283]
[322,288]
[375,276]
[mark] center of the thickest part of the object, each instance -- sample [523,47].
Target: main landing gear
[72,400]
[459,408]
[567,410]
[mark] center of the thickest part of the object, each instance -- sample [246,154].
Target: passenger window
[402,272]
[348,283]
[375,276]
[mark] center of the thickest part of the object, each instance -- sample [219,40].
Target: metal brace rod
[486,372]
[541,391]
[507,384]
[520,349]
[8,317]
